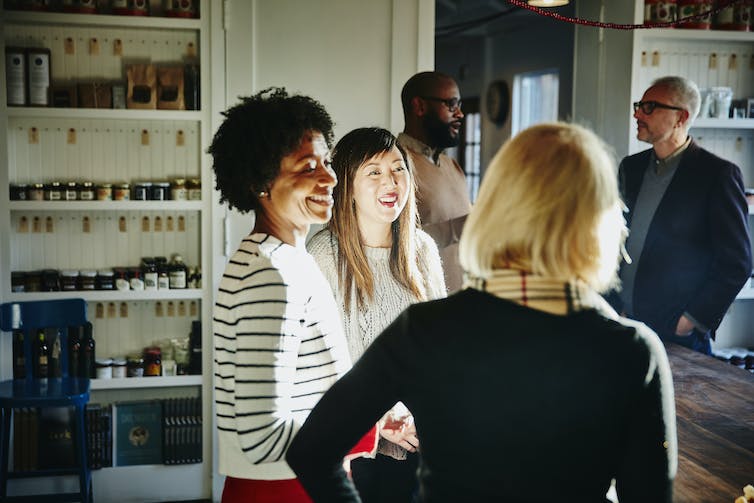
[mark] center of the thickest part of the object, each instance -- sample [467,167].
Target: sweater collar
[551,295]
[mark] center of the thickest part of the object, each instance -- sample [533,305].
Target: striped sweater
[279,346]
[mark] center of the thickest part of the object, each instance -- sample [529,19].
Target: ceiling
[475,18]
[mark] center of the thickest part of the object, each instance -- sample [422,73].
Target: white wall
[352,55]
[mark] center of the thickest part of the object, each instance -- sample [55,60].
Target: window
[535,99]
[469,150]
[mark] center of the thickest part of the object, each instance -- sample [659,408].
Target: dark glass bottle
[88,368]
[19,358]
[41,356]
[178,272]
[74,351]
[54,361]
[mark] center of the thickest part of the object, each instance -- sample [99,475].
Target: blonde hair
[549,205]
[355,275]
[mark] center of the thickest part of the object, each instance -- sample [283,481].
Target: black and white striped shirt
[279,346]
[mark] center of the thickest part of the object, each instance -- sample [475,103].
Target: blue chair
[31,392]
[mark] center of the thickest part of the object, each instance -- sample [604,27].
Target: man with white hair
[688,223]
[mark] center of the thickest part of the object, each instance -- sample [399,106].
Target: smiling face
[301,194]
[380,192]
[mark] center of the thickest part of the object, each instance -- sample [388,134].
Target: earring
[262,194]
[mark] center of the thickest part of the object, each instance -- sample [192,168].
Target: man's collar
[420,147]
[661,165]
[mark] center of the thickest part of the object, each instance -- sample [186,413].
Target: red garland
[617,26]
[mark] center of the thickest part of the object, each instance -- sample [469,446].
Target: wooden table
[715,416]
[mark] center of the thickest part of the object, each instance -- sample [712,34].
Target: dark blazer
[697,253]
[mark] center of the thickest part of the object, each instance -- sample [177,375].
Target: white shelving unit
[109,146]
[711,58]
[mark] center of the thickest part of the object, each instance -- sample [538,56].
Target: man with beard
[688,223]
[432,113]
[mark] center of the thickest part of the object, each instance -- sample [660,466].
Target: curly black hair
[255,136]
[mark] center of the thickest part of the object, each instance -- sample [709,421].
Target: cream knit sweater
[363,325]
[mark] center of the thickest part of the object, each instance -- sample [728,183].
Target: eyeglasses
[647,107]
[453,104]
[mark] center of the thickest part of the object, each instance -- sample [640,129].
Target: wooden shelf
[109,296]
[99,20]
[145,382]
[686,34]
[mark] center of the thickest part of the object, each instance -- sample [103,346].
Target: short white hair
[685,93]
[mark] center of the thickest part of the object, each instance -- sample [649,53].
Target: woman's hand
[400,430]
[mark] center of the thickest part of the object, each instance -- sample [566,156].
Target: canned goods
[53,192]
[86,191]
[160,191]
[688,8]
[178,191]
[142,191]
[19,192]
[122,192]
[71,192]
[104,192]
[37,192]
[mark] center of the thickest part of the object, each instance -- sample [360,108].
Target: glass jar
[86,191]
[33,281]
[122,282]
[69,280]
[37,192]
[152,362]
[134,365]
[88,280]
[19,192]
[53,191]
[194,189]
[142,191]
[135,279]
[120,366]
[163,281]
[105,279]
[17,281]
[105,192]
[50,281]
[178,191]
[71,192]
[104,368]
[160,191]
[122,192]
[177,272]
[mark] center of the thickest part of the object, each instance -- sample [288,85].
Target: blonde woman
[378,263]
[526,385]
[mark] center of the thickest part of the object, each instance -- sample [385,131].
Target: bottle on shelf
[74,351]
[88,368]
[178,272]
[55,364]
[163,280]
[41,356]
[19,358]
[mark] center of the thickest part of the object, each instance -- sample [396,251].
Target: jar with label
[122,283]
[86,191]
[659,11]
[177,272]
[689,8]
[194,189]
[17,281]
[19,192]
[105,279]
[37,192]
[122,192]
[50,280]
[149,273]
[69,280]
[134,365]
[152,362]
[39,76]
[104,368]
[15,76]
[163,281]
[88,279]
[33,281]
[71,191]
[105,192]
[119,368]
[178,191]
[160,191]
[142,191]
[53,191]
[135,279]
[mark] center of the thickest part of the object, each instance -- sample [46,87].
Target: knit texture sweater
[363,324]
[279,346]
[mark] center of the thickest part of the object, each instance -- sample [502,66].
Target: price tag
[191,50]
[117,47]
[145,224]
[180,140]
[124,310]
[181,308]
[86,226]
[169,223]
[732,62]
[712,61]
[99,310]
[71,136]
[33,136]
[158,224]
[193,308]
[122,225]
[656,58]
[49,225]
[144,137]
[171,309]
[36,225]
[111,312]
[158,309]
[69,46]
[23,225]
[181,223]
[93,47]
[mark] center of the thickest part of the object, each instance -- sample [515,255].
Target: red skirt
[263,491]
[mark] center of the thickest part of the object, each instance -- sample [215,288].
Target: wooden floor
[715,418]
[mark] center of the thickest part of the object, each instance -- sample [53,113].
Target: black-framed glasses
[647,107]
[453,104]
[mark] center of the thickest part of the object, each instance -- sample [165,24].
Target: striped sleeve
[257,337]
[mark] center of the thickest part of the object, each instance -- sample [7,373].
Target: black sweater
[510,404]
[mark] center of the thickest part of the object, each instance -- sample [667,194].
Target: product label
[15,74]
[39,78]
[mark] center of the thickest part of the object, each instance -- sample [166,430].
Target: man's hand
[684,327]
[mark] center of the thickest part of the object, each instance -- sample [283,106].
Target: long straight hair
[350,153]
